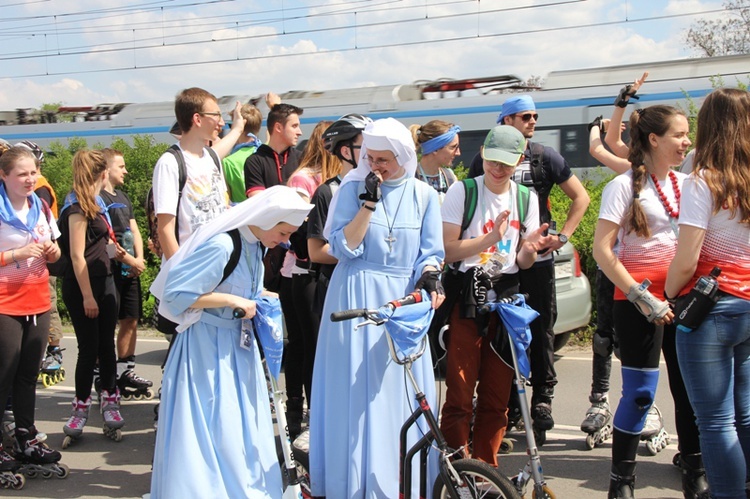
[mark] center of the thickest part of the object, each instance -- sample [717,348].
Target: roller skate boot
[52,371]
[598,421]
[694,483]
[654,434]
[622,480]
[73,429]
[113,421]
[133,387]
[8,428]
[35,457]
[9,478]
[541,414]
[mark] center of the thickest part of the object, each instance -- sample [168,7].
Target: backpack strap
[234,258]
[215,157]
[536,164]
[175,150]
[470,203]
[522,200]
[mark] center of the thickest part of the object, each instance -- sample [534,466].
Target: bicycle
[533,467]
[457,478]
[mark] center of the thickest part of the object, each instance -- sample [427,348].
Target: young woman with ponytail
[640,208]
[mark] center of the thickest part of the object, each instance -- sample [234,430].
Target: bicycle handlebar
[410,299]
[508,299]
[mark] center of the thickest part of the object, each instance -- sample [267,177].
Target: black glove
[372,188]
[597,122]
[430,281]
[622,99]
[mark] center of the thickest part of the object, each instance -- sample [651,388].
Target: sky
[85,52]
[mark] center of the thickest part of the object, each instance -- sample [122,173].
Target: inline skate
[598,421]
[541,413]
[52,371]
[654,434]
[73,429]
[8,427]
[133,387]
[35,457]
[110,408]
[9,478]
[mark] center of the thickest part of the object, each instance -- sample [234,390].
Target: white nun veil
[387,134]
[264,210]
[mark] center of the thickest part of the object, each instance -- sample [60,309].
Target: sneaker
[31,448]
[110,406]
[78,418]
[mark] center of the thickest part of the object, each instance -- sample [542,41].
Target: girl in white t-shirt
[640,208]
[715,232]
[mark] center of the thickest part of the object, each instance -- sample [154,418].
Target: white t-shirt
[204,196]
[643,257]
[489,206]
[727,241]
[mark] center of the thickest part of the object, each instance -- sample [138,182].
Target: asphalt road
[101,467]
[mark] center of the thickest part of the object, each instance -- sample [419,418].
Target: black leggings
[303,292]
[22,344]
[96,337]
[641,344]
[539,282]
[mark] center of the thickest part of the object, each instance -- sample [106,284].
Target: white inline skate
[598,421]
[73,429]
[654,434]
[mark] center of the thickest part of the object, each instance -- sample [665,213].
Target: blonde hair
[317,158]
[88,167]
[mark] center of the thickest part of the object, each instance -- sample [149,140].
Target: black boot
[294,416]
[694,483]
[622,480]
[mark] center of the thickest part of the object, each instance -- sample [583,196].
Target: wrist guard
[597,122]
[430,281]
[372,188]
[626,93]
[647,304]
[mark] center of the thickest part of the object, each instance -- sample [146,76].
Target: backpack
[471,197]
[151,218]
[168,327]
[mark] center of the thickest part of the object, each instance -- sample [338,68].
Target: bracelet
[365,206]
[13,255]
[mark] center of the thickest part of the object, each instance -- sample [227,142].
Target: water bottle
[693,309]
[128,243]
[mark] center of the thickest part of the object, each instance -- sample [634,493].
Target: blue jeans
[715,364]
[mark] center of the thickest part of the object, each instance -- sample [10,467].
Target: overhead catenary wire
[357,25]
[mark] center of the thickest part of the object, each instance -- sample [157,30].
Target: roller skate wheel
[676,460]
[31,473]
[149,394]
[64,471]
[46,474]
[62,374]
[590,442]
[506,446]
[47,381]
[19,483]
[546,493]
[652,448]
[115,435]
[66,441]
[138,396]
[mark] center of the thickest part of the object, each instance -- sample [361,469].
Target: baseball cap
[515,105]
[505,144]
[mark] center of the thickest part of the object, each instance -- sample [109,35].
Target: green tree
[727,36]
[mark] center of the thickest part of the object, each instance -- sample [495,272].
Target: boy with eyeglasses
[540,169]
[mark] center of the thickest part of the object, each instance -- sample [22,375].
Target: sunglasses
[527,117]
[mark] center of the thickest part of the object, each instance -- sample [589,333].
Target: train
[566,102]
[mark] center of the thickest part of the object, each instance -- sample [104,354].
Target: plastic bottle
[128,243]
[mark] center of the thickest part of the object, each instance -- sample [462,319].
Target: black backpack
[153,233]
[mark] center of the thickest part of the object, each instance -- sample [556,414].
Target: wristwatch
[563,238]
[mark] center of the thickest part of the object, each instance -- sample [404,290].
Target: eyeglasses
[498,164]
[527,116]
[215,115]
[379,162]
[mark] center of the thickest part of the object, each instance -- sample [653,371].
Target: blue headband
[515,105]
[440,141]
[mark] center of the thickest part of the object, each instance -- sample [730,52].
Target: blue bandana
[515,105]
[8,213]
[440,141]
[72,199]
[255,142]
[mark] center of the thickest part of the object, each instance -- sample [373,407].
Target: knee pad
[602,345]
[638,390]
